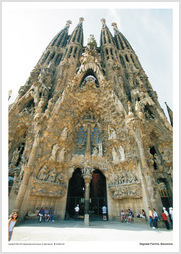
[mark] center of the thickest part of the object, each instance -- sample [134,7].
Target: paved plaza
[70,230]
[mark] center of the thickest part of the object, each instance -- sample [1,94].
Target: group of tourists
[46,213]
[127,216]
[167,217]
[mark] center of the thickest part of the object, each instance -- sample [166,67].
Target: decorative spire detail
[103,21]
[68,23]
[114,24]
[81,20]
[170,113]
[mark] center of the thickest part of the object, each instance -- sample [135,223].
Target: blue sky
[28,31]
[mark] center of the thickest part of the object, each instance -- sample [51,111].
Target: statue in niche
[43,173]
[115,156]
[59,178]
[111,133]
[95,151]
[122,154]
[64,134]
[61,154]
[51,176]
[54,151]
[100,149]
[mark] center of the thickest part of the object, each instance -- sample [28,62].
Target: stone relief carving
[125,191]
[161,186]
[64,134]
[61,154]
[54,151]
[111,133]
[167,159]
[51,176]
[59,178]
[95,151]
[124,178]
[57,153]
[100,153]
[49,190]
[122,154]
[115,155]
[125,185]
[158,162]
[42,175]
[118,155]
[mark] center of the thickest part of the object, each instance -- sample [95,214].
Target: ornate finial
[103,21]
[91,44]
[114,24]
[81,20]
[68,23]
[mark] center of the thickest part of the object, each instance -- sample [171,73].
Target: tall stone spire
[121,41]
[106,36]
[170,113]
[58,42]
[77,34]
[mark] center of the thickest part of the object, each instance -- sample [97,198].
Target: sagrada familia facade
[87,129]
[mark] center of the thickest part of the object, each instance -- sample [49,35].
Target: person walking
[77,212]
[104,212]
[155,218]
[166,213]
[165,218]
[151,217]
[171,216]
[11,223]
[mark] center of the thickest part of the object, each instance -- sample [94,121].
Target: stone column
[135,126]
[28,169]
[87,175]
[88,144]
[87,195]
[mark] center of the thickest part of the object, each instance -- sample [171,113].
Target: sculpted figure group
[49,176]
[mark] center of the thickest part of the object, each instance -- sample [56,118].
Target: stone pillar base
[86,220]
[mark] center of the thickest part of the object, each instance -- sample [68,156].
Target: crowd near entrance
[76,194]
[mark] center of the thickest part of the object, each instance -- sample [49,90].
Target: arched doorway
[98,195]
[75,194]
[165,193]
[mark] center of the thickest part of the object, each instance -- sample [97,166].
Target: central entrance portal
[76,195]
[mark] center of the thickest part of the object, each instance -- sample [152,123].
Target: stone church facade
[87,129]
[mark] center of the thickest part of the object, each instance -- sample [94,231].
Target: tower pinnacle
[81,20]
[68,23]
[103,21]
[114,24]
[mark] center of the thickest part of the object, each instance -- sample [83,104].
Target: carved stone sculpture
[43,173]
[51,176]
